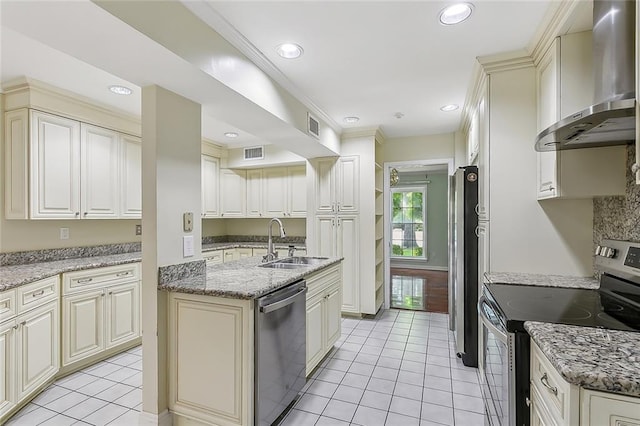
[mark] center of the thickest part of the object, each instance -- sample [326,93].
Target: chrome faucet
[271,252]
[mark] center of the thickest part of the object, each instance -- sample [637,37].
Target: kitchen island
[211,318]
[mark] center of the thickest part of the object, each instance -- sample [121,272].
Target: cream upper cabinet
[562,75]
[59,168]
[130,177]
[233,191]
[296,191]
[255,194]
[348,184]
[275,192]
[55,167]
[99,172]
[325,184]
[337,184]
[210,187]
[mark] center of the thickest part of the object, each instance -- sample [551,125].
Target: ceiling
[371,59]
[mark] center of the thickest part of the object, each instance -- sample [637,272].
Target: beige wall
[23,235]
[419,148]
[215,227]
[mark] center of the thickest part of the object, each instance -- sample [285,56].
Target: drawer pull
[38,293]
[84,280]
[545,382]
[123,274]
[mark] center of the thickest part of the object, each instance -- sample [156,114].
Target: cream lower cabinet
[339,238]
[101,311]
[557,402]
[211,363]
[29,342]
[324,306]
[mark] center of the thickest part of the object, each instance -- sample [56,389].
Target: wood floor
[420,290]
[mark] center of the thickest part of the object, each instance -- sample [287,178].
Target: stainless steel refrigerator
[463,262]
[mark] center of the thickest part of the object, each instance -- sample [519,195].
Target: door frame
[387,166]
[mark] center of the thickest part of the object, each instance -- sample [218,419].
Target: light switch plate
[64,233]
[187,246]
[187,222]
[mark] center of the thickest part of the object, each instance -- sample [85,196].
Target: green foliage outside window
[407,223]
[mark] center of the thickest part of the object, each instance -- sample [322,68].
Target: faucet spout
[271,253]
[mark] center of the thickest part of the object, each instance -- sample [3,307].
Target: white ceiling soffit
[92,35]
[373,59]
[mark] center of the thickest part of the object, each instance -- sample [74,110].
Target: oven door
[498,378]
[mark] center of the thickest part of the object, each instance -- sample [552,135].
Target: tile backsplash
[618,218]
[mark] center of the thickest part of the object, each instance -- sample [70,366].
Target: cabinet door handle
[338,206]
[84,214]
[110,293]
[122,274]
[545,382]
[23,323]
[84,280]
[338,222]
[77,214]
[38,293]
[15,327]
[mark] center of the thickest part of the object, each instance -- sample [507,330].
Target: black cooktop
[591,308]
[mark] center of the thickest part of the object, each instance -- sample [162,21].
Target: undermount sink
[293,262]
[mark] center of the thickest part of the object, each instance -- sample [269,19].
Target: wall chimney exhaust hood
[611,121]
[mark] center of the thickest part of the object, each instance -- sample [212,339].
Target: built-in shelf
[379,284]
[378,166]
[379,190]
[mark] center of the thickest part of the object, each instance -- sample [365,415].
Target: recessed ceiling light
[231,134]
[455,13]
[120,90]
[450,107]
[289,50]
[351,120]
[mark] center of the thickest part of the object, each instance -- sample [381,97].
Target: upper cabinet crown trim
[30,93]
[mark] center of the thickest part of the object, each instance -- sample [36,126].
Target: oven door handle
[483,306]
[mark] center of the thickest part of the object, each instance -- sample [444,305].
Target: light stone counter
[17,275]
[593,358]
[541,280]
[37,265]
[242,279]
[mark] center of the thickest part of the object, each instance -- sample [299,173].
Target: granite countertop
[242,279]
[12,276]
[541,280]
[593,358]
[17,275]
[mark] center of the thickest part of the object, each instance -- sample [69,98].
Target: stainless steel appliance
[611,121]
[504,308]
[280,351]
[463,270]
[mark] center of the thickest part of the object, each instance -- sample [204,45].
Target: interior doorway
[416,234]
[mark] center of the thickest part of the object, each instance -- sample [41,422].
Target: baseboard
[421,267]
[149,419]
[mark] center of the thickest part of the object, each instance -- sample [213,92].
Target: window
[407,223]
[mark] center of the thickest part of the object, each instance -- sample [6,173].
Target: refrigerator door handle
[477,231]
[477,209]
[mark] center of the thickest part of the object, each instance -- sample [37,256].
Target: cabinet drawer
[37,294]
[556,393]
[213,257]
[97,277]
[7,304]
[321,280]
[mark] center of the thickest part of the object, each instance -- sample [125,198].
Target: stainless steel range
[504,308]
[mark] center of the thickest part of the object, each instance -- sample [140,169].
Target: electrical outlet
[64,233]
[138,229]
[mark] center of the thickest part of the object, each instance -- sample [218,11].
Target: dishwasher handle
[282,303]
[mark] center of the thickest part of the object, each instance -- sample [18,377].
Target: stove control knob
[607,252]
[598,250]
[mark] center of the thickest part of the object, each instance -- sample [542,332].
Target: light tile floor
[109,392]
[398,368]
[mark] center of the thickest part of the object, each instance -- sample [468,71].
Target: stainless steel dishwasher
[280,351]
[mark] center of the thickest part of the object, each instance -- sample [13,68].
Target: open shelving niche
[379,228]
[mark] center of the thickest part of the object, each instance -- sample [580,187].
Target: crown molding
[26,92]
[554,24]
[204,10]
[361,132]
[507,61]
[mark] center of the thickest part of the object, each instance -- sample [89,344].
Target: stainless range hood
[611,121]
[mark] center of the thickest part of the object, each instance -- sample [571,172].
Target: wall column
[171,179]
